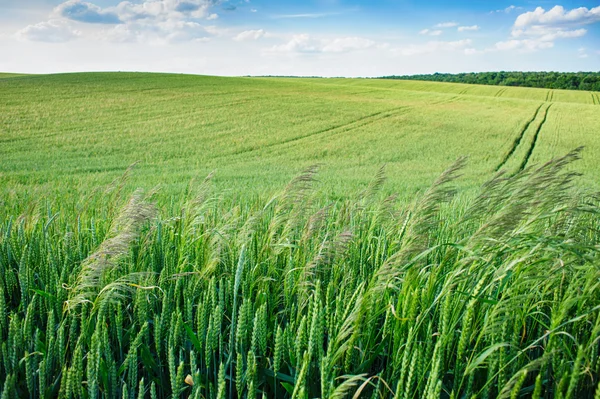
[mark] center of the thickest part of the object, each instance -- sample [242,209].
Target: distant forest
[546,80]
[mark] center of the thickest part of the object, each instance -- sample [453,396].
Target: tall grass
[495,295]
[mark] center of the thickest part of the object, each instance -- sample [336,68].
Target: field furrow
[534,139]
[519,138]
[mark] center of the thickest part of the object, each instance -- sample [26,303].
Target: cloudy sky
[299,37]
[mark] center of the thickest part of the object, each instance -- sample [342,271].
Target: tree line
[547,80]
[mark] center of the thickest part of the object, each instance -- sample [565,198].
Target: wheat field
[296,238]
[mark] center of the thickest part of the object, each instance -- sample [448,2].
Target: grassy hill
[4,75]
[85,129]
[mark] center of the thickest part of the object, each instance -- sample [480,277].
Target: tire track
[535,138]
[345,127]
[593,99]
[445,101]
[500,92]
[519,138]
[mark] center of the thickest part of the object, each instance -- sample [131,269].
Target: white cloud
[435,47]
[582,53]
[558,16]
[153,21]
[430,32]
[77,10]
[537,38]
[444,25]
[509,9]
[250,35]
[305,43]
[344,44]
[539,29]
[468,28]
[525,45]
[170,31]
[53,31]
[163,9]
[548,34]
[127,11]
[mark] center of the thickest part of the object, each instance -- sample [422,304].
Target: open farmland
[84,130]
[272,279]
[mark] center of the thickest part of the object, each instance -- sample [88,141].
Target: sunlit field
[174,236]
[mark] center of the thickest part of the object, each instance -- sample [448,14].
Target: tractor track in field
[595,99]
[535,139]
[519,138]
[345,127]
[500,92]
[446,100]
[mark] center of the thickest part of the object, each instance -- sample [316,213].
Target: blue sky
[310,37]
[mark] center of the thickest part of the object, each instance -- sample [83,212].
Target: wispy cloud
[250,35]
[468,28]
[435,47]
[444,25]
[305,15]
[305,43]
[431,32]
[508,9]
[53,31]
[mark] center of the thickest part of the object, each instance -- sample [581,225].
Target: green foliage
[547,80]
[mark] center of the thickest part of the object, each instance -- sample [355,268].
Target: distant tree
[548,80]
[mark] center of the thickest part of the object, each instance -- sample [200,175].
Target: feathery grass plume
[124,231]
[375,185]
[328,251]
[290,207]
[510,202]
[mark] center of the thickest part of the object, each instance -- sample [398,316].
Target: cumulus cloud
[558,16]
[147,20]
[53,31]
[437,46]
[127,11]
[86,12]
[431,32]
[305,43]
[468,28]
[250,35]
[540,29]
[169,31]
[444,25]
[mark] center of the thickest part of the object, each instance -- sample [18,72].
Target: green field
[83,130]
[396,268]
